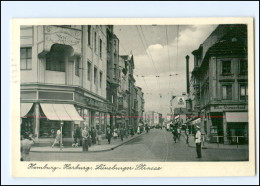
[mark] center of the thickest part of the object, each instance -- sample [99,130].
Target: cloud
[168,60]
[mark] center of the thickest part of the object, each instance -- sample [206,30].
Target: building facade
[113,76]
[63,78]
[220,84]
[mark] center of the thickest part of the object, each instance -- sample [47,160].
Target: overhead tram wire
[167,39]
[151,59]
[144,43]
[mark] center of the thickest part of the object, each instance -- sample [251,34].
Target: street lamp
[61,124]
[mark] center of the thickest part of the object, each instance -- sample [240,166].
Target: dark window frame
[100,79]
[77,66]
[95,75]
[224,70]
[89,70]
[28,59]
[55,63]
[243,97]
[89,35]
[228,95]
[100,48]
[243,71]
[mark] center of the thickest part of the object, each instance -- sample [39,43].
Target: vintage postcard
[158,97]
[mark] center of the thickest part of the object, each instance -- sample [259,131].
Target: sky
[159,56]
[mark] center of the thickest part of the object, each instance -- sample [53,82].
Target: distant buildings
[74,75]
[219,89]
[153,118]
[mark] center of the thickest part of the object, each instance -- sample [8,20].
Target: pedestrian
[198,142]
[26,144]
[93,135]
[80,136]
[57,139]
[179,133]
[175,134]
[108,135]
[77,136]
[138,130]
[115,134]
[122,133]
[85,138]
[99,136]
[187,135]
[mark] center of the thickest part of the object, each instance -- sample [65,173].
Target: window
[95,75]
[26,58]
[89,35]
[227,92]
[89,71]
[95,42]
[243,92]
[226,67]
[77,61]
[55,62]
[243,64]
[100,48]
[100,79]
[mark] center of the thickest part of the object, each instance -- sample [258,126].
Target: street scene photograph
[134,93]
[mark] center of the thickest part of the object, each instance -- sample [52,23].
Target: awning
[25,108]
[196,121]
[241,117]
[60,112]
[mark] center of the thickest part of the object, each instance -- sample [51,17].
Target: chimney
[187,74]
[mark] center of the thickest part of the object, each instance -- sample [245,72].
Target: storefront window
[97,120]
[102,115]
[49,128]
[86,118]
[27,125]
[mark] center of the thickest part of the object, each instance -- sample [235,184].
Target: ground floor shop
[226,124]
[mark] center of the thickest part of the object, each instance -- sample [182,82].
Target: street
[156,146]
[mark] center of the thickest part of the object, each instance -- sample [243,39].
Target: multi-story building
[63,78]
[129,70]
[113,75]
[140,105]
[220,84]
[123,92]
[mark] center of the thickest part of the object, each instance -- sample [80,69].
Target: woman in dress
[57,139]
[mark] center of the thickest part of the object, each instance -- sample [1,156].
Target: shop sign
[220,108]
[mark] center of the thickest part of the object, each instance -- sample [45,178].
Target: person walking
[108,135]
[93,135]
[179,133]
[57,139]
[77,135]
[175,134]
[85,138]
[122,133]
[99,136]
[26,144]
[198,142]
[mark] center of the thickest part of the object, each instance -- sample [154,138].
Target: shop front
[27,118]
[57,116]
[237,127]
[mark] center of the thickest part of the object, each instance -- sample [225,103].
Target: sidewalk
[208,145]
[104,146]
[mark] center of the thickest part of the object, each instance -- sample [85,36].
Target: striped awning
[61,112]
